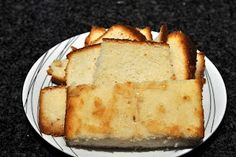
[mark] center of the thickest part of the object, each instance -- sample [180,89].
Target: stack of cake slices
[124,89]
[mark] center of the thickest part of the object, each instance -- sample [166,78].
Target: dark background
[29,28]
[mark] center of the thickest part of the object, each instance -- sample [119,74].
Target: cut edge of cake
[88,56]
[183,54]
[103,140]
[52,111]
[112,66]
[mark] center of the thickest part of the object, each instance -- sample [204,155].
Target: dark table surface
[29,28]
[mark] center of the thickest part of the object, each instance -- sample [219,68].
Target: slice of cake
[121,32]
[123,60]
[57,71]
[81,65]
[183,52]
[52,110]
[135,115]
[183,55]
[97,32]
[180,57]
[94,34]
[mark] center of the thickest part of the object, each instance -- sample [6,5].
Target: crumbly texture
[183,55]
[147,115]
[146,31]
[119,31]
[200,65]
[123,60]
[57,71]
[94,34]
[52,110]
[81,65]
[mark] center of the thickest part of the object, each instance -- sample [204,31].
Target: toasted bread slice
[94,34]
[52,110]
[57,71]
[131,115]
[81,65]
[200,65]
[163,34]
[121,32]
[146,31]
[183,55]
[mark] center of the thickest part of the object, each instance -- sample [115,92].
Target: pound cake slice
[164,114]
[57,71]
[183,52]
[123,60]
[81,65]
[94,34]
[52,110]
[183,55]
[121,32]
[97,32]
[57,68]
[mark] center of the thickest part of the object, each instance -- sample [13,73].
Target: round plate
[214,101]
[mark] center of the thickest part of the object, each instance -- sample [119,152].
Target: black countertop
[28,29]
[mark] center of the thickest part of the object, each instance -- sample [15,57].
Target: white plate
[214,101]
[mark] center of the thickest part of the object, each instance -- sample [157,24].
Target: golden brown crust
[146,31]
[45,125]
[55,79]
[80,50]
[188,49]
[163,34]
[58,80]
[127,29]
[49,71]
[68,129]
[139,36]
[200,130]
[200,65]
[139,42]
[94,34]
